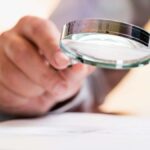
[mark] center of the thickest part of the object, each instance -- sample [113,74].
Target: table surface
[76,131]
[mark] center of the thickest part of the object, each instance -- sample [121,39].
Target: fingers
[10,99]
[77,72]
[15,80]
[74,78]
[25,57]
[25,76]
[14,104]
[46,37]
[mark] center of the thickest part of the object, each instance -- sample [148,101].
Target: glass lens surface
[105,50]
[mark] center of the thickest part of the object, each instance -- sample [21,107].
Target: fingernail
[61,60]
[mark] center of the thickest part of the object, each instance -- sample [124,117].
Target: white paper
[76,131]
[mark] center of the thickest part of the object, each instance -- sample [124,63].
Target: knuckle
[52,82]
[35,91]
[66,86]
[35,24]
[7,76]
[19,51]
[4,37]
[45,79]
[14,47]
[66,80]
[38,25]
[30,92]
[59,88]
[25,19]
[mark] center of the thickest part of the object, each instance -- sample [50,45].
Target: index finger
[44,34]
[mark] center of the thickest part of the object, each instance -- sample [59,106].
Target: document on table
[76,131]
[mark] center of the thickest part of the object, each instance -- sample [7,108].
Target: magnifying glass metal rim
[109,27]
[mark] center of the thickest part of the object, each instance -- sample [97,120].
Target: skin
[33,71]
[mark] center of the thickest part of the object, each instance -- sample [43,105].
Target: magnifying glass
[106,43]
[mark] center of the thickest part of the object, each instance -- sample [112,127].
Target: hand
[33,70]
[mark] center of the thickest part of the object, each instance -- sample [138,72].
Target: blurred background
[132,94]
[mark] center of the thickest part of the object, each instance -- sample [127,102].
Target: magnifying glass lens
[106,50]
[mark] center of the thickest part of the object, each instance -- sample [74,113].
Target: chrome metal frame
[108,27]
